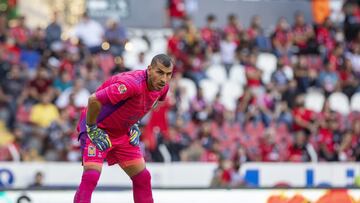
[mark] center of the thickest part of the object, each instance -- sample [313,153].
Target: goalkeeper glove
[98,137]
[134,134]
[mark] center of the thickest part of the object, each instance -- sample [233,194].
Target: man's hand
[98,137]
[134,135]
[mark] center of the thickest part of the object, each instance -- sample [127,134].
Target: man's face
[159,76]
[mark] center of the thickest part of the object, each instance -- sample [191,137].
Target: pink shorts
[121,152]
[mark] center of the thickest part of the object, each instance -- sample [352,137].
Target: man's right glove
[134,134]
[98,137]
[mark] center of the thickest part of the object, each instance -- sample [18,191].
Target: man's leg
[92,160]
[141,180]
[90,177]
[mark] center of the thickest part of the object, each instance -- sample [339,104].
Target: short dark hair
[211,17]
[164,59]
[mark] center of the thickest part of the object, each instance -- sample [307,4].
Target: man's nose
[163,79]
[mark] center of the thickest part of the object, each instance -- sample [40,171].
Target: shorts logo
[91,151]
[122,88]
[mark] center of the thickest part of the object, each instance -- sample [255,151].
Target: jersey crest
[122,89]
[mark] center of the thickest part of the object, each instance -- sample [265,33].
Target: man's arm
[94,107]
[97,136]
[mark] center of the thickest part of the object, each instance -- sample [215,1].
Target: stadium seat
[217,73]
[314,100]
[355,102]
[289,72]
[267,63]
[130,59]
[209,88]
[215,58]
[138,45]
[230,92]
[189,87]
[150,55]
[237,74]
[339,102]
[158,45]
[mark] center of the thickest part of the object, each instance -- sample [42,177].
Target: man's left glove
[98,137]
[134,134]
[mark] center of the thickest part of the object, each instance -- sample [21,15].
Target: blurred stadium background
[264,104]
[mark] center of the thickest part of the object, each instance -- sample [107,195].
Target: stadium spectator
[282,39]
[348,82]
[116,36]
[38,180]
[211,34]
[303,36]
[354,56]
[304,119]
[53,31]
[79,92]
[227,49]
[41,84]
[325,37]
[90,33]
[233,27]
[352,20]
[256,35]
[141,64]
[175,13]
[298,151]
[20,32]
[270,121]
[44,113]
[328,79]
[222,175]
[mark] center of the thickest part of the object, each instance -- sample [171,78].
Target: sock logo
[91,151]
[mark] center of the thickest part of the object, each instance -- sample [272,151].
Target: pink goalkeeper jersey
[125,99]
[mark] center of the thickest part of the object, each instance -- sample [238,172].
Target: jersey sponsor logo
[122,89]
[91,151]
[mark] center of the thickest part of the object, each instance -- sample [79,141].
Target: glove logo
[122,89]
[91,151]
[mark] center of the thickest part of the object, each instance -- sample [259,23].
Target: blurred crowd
[270,122]
[46,80]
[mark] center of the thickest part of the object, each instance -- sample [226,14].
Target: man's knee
[143,178]
[91,177]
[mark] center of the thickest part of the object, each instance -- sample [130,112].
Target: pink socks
[142,187]
[88,183]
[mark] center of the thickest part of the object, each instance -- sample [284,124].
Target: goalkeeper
[108,126]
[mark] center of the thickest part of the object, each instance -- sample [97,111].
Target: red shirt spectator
[302,32]
[268,147]
[20,32]
[326,138]
[210,34]
[253,76]
[304,115]
[158,119]
[176,8]
[282,38]
[255,28]
[324,36]
[297,151]
[233,27]
[11,52]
